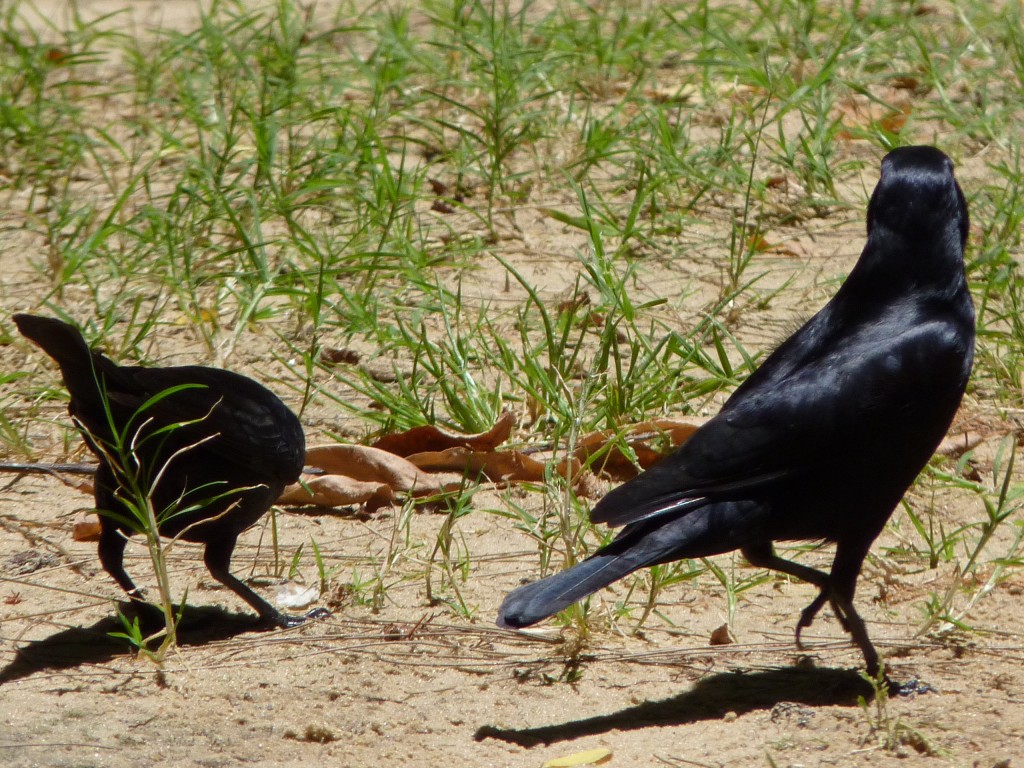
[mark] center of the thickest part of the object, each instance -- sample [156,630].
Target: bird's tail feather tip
[511,617]
[525,606]
[542,599]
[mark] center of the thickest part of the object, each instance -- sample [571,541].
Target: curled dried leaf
[338,491]
[362,462]
[721,636]
[670,432]
[431,438]
[497,466]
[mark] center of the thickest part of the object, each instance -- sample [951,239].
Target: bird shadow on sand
[82,646]
[709,699]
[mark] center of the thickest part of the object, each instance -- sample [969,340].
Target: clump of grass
[891,732]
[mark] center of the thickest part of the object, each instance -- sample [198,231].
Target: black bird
[214,449]
[822,441]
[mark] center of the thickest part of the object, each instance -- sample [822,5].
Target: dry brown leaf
[673,94]
[588,486]
[86,529]
[571,469]
[345,464]
[431,438]
[362,462]
[757,243]
[497,466]
[82,485]
[339,355]
[794,248]
[857,114]
[616,464]
[905,83]
[894,121]
[338,491]
[575,300]
[721,636]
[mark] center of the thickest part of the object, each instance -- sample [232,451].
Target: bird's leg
[854,624]
[218,560]
[845,570]
[111,552]
[763,556]
[112,540]
[807,614]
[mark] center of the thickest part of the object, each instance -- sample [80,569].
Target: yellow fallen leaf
[586,757]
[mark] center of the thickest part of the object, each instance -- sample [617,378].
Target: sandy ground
[418,683]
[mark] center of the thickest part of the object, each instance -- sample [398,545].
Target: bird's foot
[288,621]
[807,615]
[912,687]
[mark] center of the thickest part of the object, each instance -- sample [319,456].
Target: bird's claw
[807,615]
[799,628]
[288,621]
[911,687]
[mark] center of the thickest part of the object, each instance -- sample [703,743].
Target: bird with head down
[211,449]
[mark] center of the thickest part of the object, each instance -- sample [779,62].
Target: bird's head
[918,198]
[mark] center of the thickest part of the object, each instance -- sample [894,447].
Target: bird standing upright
[824,438]
[212,448]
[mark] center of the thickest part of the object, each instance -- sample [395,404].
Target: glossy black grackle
[824,438]
[213,450]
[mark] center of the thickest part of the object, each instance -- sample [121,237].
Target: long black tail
[534,602]
[694,532]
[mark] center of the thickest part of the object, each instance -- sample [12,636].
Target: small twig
[83,468]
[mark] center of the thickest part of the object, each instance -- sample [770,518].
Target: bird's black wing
[855,398]
[249,424]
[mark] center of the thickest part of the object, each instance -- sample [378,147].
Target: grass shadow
[710,699]
[78,646]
